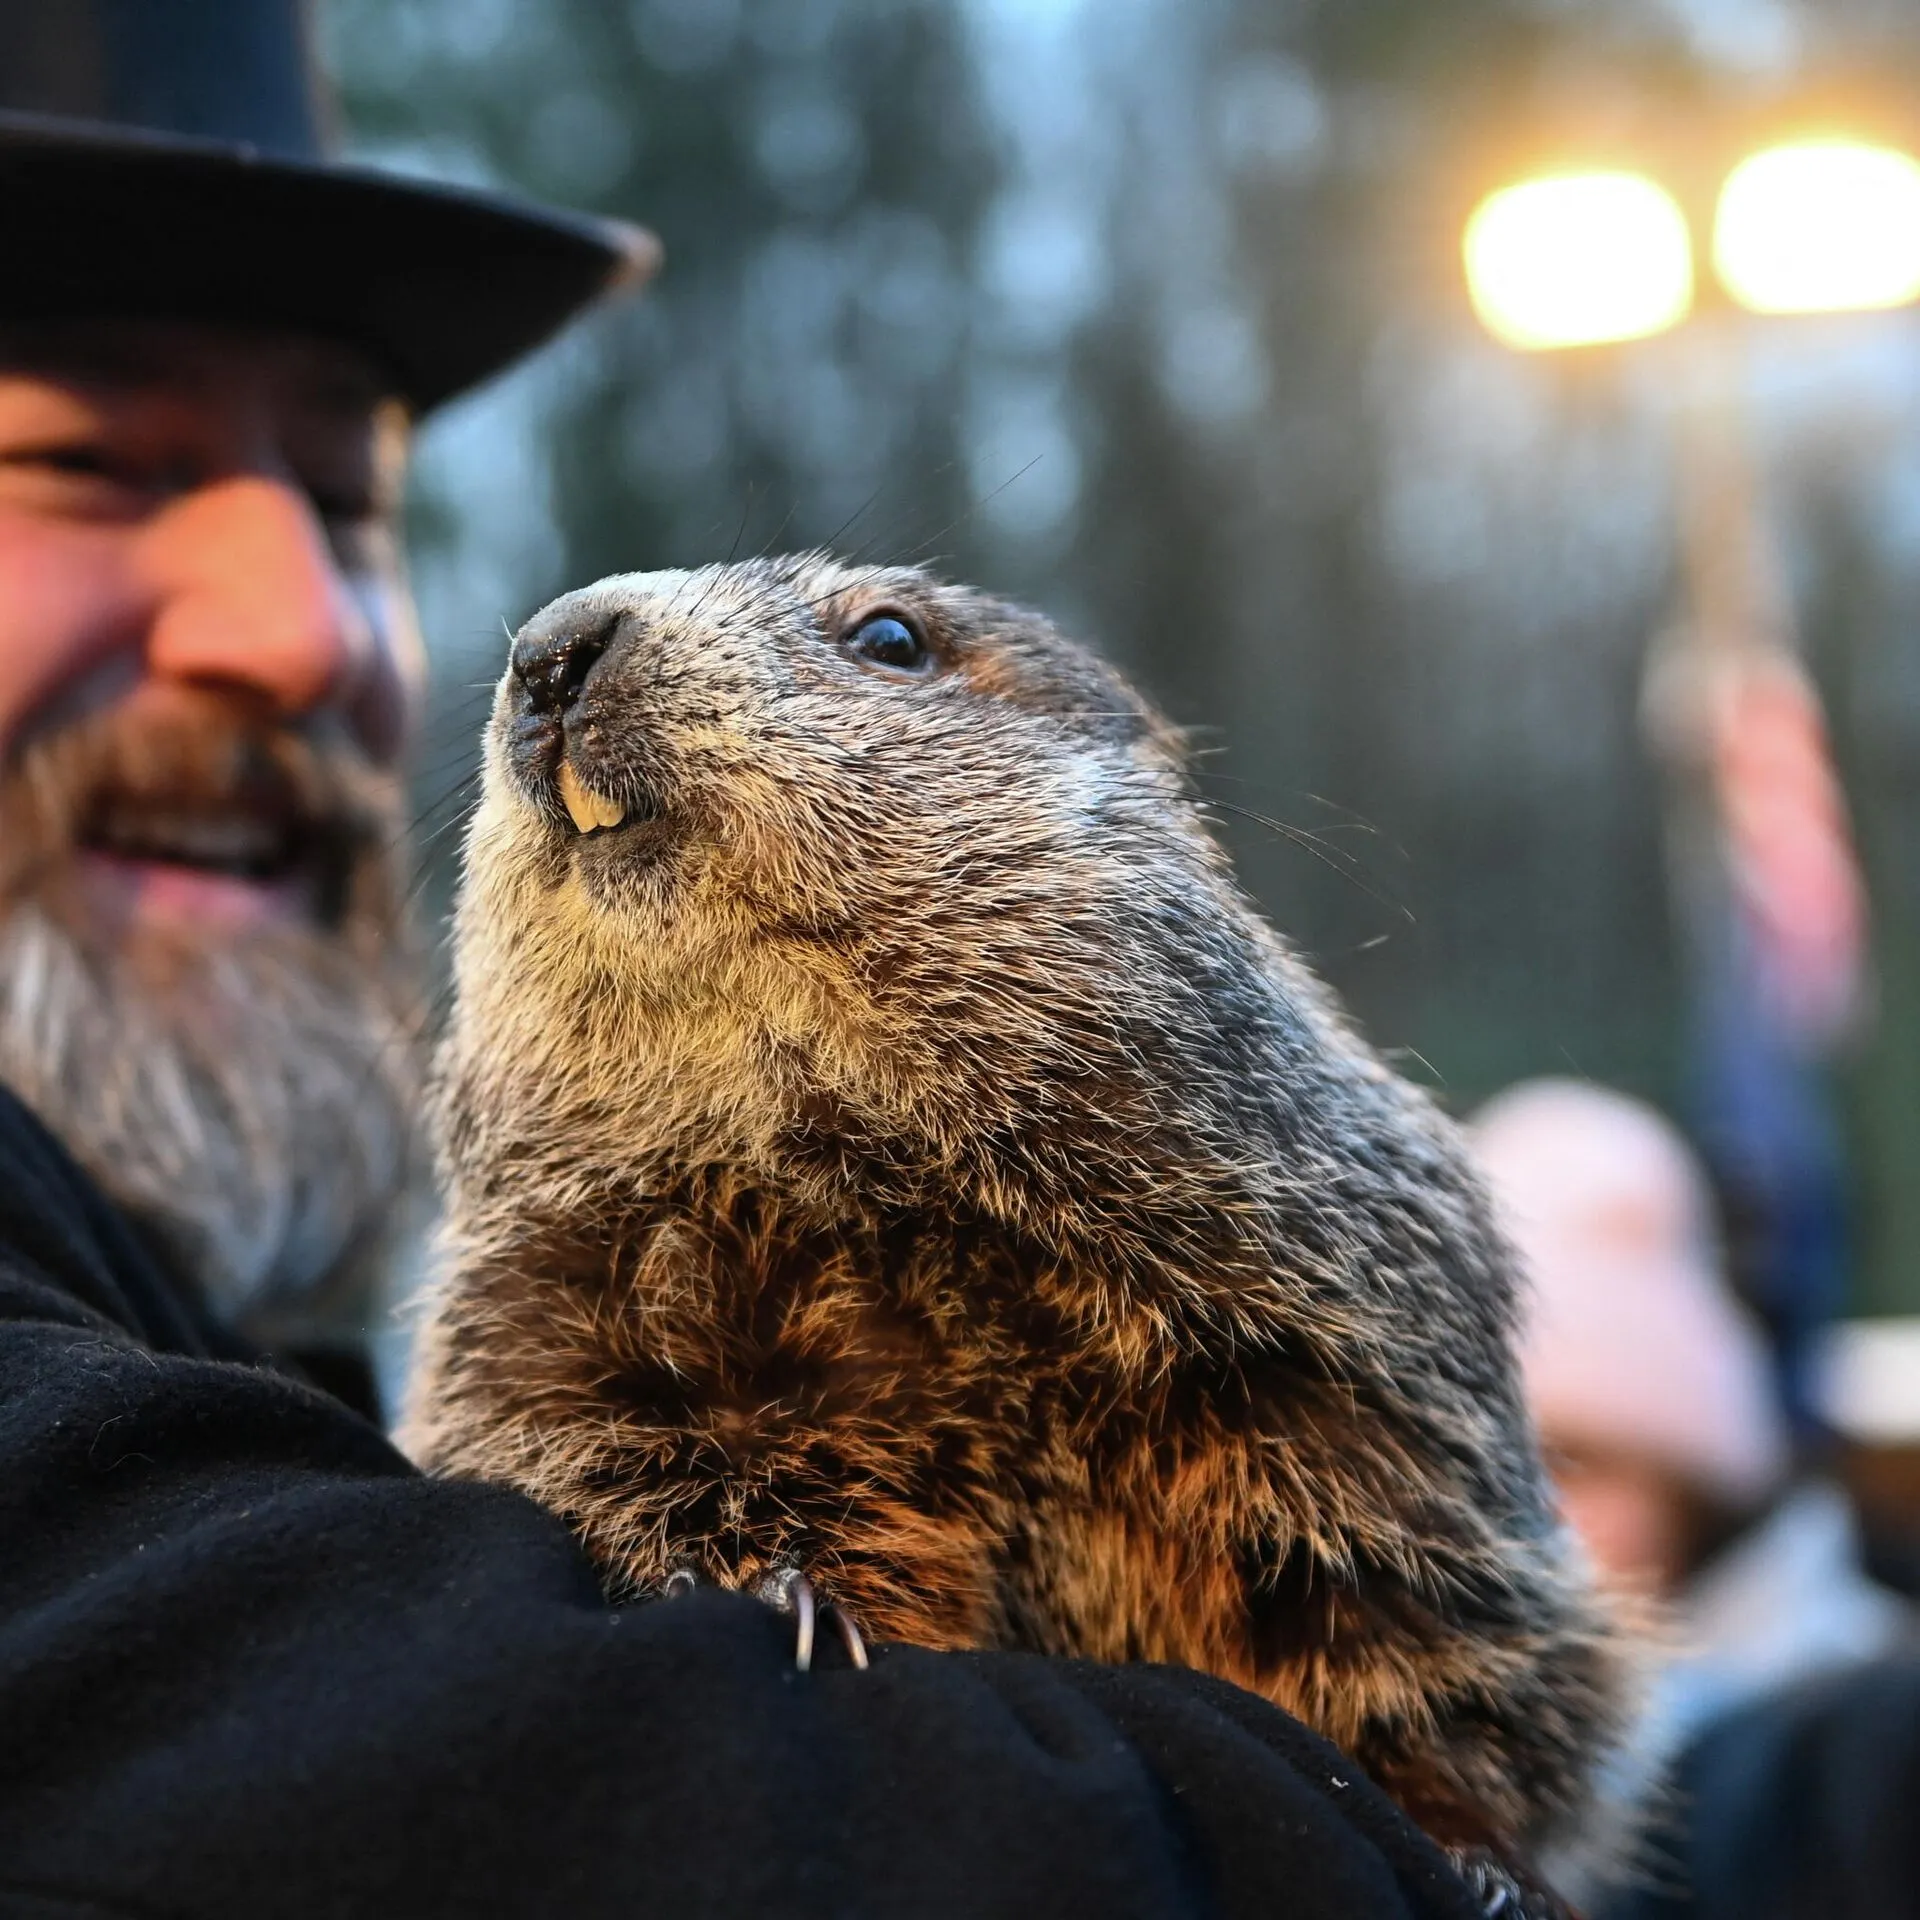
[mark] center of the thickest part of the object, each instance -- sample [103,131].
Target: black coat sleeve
[252,1663]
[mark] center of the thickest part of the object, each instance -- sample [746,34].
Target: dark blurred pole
[1766,888]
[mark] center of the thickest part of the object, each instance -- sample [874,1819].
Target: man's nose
[252,597]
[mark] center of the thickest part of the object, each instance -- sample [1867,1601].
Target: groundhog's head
[813,746]
[798,852]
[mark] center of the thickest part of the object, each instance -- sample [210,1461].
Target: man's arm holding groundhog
[251,1662]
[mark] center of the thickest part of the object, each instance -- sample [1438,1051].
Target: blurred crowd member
[1653,1392]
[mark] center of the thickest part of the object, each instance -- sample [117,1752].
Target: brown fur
[899,1151]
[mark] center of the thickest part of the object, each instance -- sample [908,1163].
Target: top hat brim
[439,286]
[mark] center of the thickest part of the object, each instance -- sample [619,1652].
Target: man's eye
[87,460]
[86,477]
[83,460]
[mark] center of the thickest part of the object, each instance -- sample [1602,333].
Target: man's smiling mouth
[234,843]
[195,809]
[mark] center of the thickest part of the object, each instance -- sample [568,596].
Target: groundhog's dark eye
[888,641]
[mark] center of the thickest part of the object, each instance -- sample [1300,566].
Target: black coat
[252,1664]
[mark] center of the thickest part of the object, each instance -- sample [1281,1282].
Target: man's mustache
[206,780]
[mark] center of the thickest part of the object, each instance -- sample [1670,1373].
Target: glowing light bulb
[1579,259]
[1824,226]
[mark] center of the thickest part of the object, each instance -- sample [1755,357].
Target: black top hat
[168,157]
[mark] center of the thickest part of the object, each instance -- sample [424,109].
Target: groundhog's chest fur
[880,1141]
[918,1412]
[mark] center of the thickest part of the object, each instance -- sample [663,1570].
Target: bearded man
[251,1663]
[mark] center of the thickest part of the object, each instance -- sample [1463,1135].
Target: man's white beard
[246,1093]
[248,1101]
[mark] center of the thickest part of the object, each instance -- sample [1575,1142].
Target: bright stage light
[1826,226]
[1579,259]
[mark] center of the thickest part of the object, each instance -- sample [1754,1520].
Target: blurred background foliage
[1147,311]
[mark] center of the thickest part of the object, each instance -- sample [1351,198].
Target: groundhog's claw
[792,1592]
[849,1636]
[799,1596]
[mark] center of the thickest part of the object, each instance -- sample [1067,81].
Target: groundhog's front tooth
[586,808]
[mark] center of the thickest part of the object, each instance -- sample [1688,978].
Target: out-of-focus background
[1152,312]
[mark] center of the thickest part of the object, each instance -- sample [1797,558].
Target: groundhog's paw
[1504,1893]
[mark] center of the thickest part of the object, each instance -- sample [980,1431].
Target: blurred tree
[815,169]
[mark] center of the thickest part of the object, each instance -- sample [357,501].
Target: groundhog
[880,1141]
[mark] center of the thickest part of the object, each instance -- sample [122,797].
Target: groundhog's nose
[557,649]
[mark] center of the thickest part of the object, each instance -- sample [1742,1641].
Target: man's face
[207,671]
